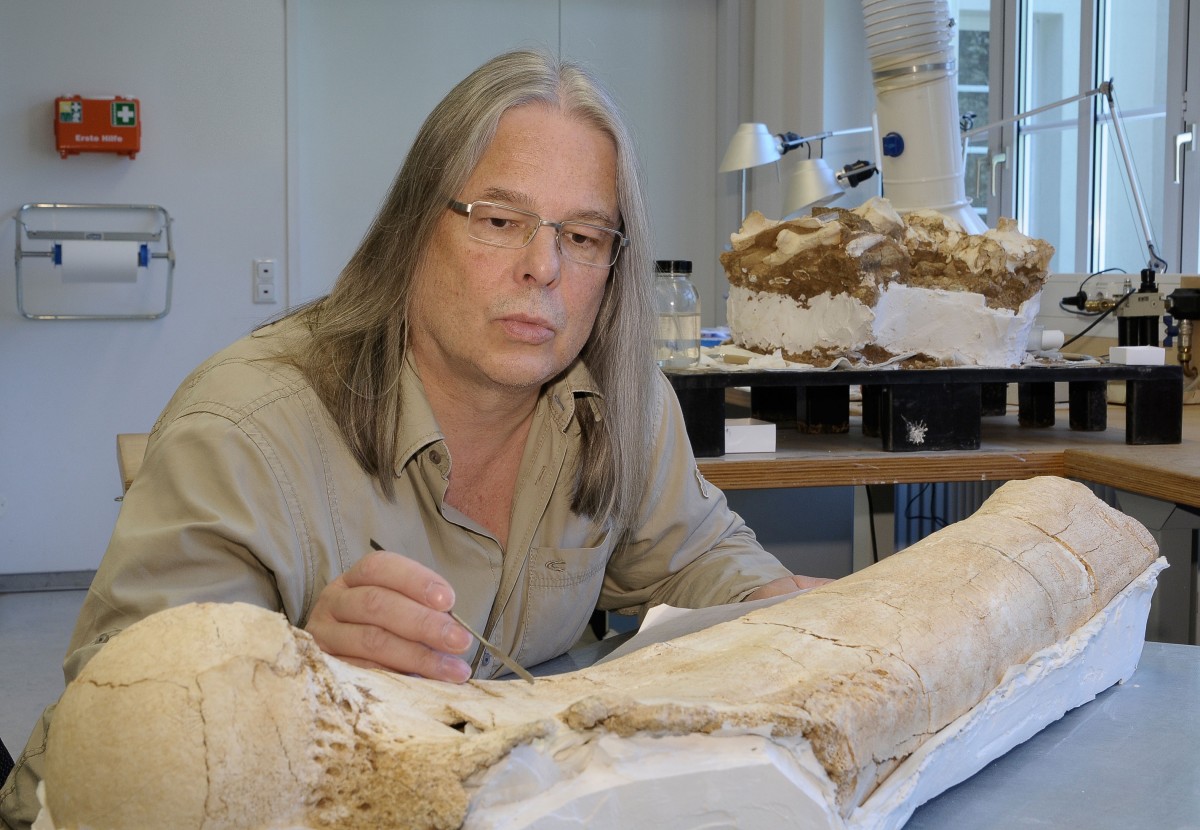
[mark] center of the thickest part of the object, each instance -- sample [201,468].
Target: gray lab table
[1130,759]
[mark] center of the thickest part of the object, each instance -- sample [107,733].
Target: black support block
[995,399]
[930,416]
[1153,412]
[776,404]
[1035,404]
[1088,405]
[704,416]
[823,410]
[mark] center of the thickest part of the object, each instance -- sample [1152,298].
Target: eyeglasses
[507,227]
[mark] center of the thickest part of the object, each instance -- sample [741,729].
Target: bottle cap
[673,266]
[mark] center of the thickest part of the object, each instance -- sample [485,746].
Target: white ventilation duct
[911,47]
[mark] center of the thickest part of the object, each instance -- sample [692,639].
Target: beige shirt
[248,493]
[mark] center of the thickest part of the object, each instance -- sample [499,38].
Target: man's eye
[581,238]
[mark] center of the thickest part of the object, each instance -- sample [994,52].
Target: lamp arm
[788,141]
[969,134]
[849,131]
[1157,263]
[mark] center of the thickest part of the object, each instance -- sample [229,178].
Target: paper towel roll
[89,260]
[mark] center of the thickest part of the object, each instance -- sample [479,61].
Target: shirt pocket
[562,590]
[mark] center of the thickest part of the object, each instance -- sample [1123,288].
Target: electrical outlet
[263,280]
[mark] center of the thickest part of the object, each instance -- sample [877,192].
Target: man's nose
[543,257]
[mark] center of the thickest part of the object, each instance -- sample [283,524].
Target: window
[1061,172]
[1125,28]
[1072,184]
[973,19]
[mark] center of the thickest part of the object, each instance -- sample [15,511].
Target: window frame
[1010,174]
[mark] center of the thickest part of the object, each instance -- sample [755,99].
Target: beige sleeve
[689,549]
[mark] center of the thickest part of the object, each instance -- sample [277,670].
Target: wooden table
[131,448]
[1167,472]
[1170,472]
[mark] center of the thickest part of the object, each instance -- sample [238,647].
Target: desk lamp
[752,145]
[812,183]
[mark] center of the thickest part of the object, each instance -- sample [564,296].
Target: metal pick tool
[500,655]
[508,662]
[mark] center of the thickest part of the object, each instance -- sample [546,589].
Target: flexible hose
[903,34]
[910,44]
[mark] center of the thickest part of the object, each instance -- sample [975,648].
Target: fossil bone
[226,716]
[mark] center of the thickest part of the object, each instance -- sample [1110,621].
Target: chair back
[6,763]
[131,448]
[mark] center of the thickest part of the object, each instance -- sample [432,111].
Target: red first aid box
[97,125]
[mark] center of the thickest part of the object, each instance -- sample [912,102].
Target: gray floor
[34,631]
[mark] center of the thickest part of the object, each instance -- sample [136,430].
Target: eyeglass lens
[511,228]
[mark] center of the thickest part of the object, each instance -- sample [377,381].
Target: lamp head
[811,184]
[752,144]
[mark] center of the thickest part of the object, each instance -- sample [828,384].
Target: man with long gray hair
[476,398]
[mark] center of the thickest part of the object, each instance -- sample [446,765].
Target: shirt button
[435,456]
[487,659]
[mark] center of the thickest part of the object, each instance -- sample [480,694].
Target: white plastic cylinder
[1044,340]
[911,48]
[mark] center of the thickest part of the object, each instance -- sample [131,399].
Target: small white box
[749,435]
[1138,355]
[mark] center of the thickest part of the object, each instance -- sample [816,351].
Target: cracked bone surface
[226,716]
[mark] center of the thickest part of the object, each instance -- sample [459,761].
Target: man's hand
[786,585]
[389,611]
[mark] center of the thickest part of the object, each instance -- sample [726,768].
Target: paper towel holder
[147,225]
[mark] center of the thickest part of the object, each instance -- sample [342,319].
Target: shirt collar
[561,393]
[419,428]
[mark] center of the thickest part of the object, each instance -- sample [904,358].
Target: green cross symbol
[124,114]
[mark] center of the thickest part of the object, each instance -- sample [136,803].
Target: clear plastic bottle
[677,344]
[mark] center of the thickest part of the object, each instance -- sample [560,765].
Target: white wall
[366,73]
[362,78]
[849,95]
[210,78]
[272,128]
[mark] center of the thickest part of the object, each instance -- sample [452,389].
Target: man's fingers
[382,614]
[406,576]
[787,585]
[389,611]
[395,654]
